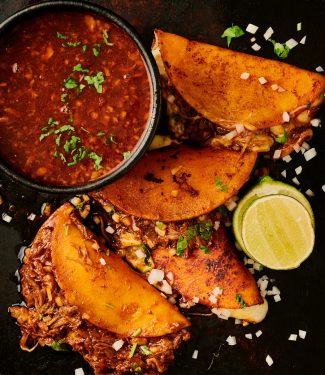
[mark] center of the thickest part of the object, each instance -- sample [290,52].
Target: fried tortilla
[204,270]
[179,183]
[207,98]
[78,294]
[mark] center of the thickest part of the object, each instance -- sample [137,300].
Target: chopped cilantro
[51,122]
[282,138]
[62,157]
[281,50]
[145,350]
[70,83]
[160,224]
[96,50]
[80,88]
[71,119]
[58,140]
[232,32]
[136,332]
[73,44]
[191,232]
[100,134]
[71,144]
[105,37]
[44,135]
[133,349]
[79,155]
[181,245]
[60,36]
[110,139]
[96,80]
[147,255]
[220,185]
[205,249]
[60,346]
[63,97]
[109,305]
[64,128]
[84,48]
[205,231]
[98,159]
[126,155]
[240,300]
[79,68]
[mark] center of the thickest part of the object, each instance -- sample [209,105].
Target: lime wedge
[277,231]
[266,186]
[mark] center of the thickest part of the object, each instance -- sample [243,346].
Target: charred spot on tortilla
[152,178]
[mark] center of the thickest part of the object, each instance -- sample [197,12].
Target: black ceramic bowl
[152,123]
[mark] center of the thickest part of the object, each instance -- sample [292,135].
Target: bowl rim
[156,96]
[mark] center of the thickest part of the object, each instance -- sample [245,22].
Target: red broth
[75,97]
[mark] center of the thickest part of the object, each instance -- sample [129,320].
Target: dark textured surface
[301,290]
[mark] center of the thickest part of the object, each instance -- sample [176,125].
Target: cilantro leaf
[73,44]
[282,138]
[205,231]
[220,185]
[70,83]
[105,37]
[205,249]
[96,80]
[79,68]
[100,134]
[96,49]
[281,50]
[60,36]
[145,350]
[63,97]
[64,128]
[232,32]
[181,245]
[84,48]
[71,144]
[60,346]
[126,155]
[240,300]
[98,159]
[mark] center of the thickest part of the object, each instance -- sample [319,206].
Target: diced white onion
[213,298]
[231,340]
[303,40]
[292,337]
[102,261]
[238,321]
[166,288]
[244,75]
[117,345]
[230,135]
[7,218]
[217,291]
[249,336]
[298,170]
[195,354]
[79,371]
[264,284]
[109,229]
[253,39]
[240,128]
[31,217]
[262,80]
[291,43]
[323,188]
[319,69]
[284,173]
[216,225]
[251,28]
[274,87]
[231,204]
[221,313]
[277,154]
[310,193]
[305,145]
[310,154]
[296,147]
[287,158]
[269,360]
[170,276]
[257,266]
[251,270]
[277,298]
[268,33]
[196,299]
[155,276]
[302,334]
[315,122]
[285,117]
[256,47]
[281,89]
[258,333]
[172,300]
[140,254]
[250,261]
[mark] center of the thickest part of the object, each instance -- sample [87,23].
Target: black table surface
[302,289]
